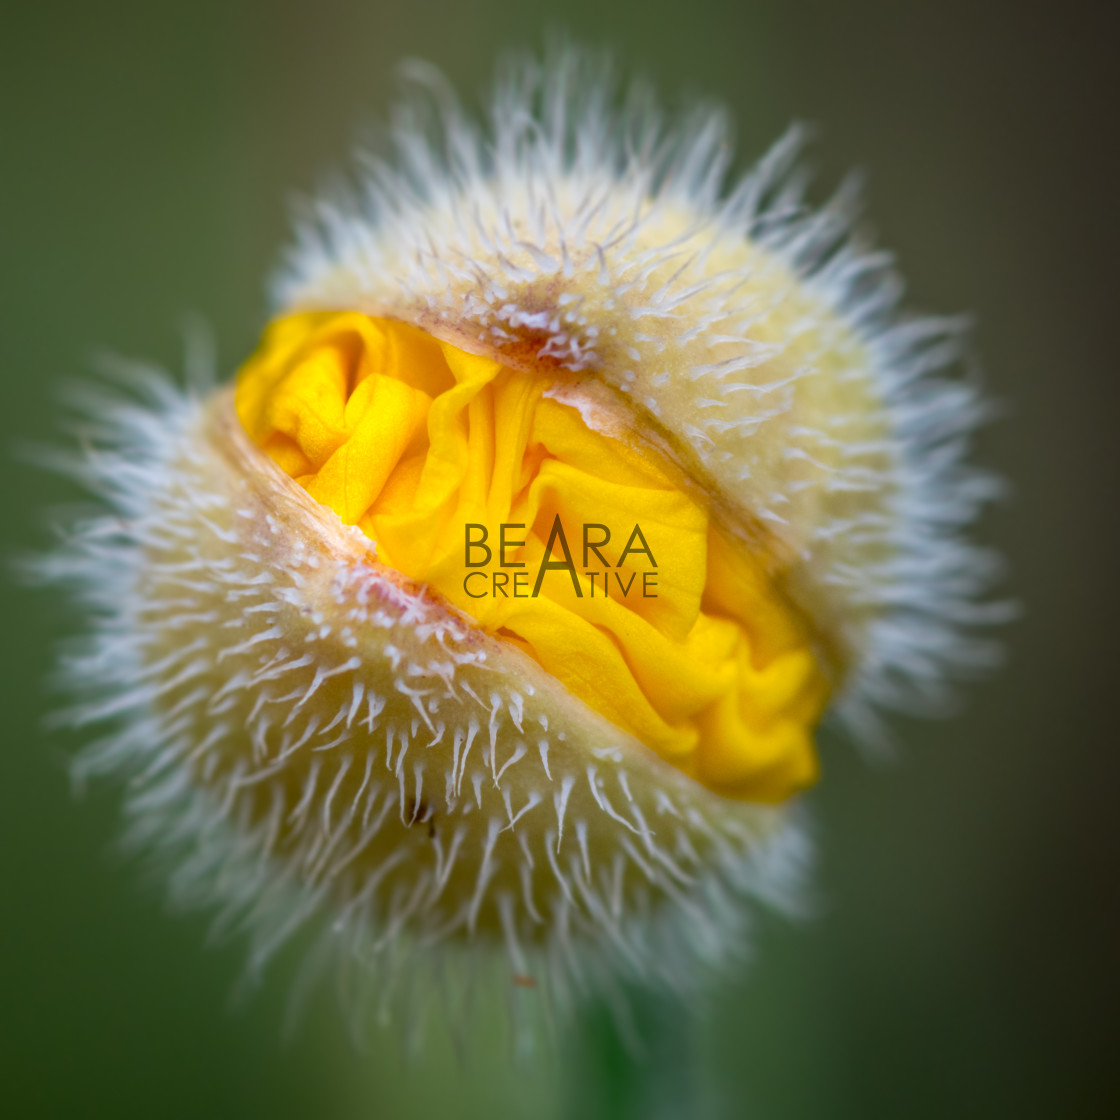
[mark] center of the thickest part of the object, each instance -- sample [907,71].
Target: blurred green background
[963,959]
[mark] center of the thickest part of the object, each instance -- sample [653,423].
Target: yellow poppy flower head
[495,607]
[486,485]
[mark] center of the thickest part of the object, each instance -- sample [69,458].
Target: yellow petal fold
[587,555]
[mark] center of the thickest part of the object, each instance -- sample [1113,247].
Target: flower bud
[497,604]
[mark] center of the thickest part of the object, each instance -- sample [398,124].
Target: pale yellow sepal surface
[671,632]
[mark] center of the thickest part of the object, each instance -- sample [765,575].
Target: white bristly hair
[428,832]
[583,224]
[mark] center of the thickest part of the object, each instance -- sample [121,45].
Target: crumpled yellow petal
[412,440]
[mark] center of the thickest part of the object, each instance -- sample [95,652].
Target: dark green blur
[959,962]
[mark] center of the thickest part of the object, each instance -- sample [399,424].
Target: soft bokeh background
[962,963]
